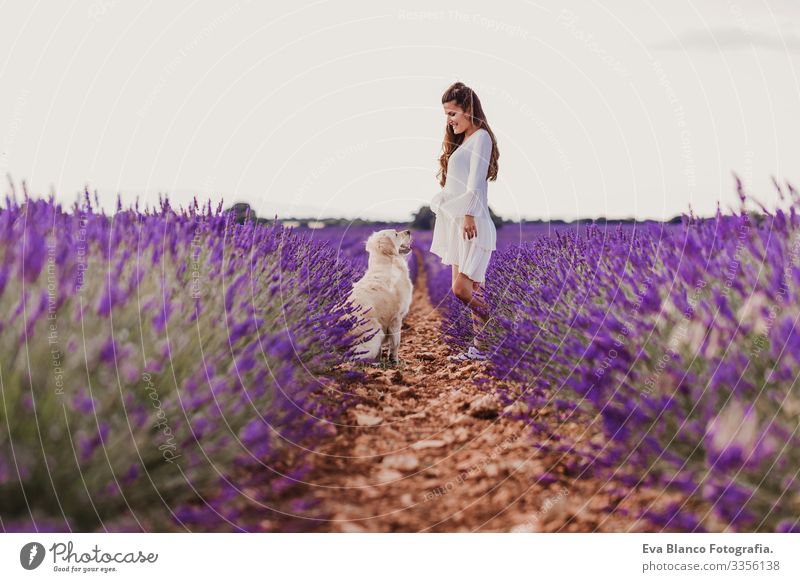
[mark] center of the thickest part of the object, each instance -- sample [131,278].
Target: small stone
[427,356]
[468,465]
[406,499]
[386,475]
[459,419]
[485,407]
[404,393]
[430,444]
[526,465]
[461,434]
[368,419]
[401,462]
[526,527]
[491,470]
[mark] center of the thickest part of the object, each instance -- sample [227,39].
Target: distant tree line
[423,219]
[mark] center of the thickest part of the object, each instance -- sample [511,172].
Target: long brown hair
[468,101]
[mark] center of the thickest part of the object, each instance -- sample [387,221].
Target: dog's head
[389,242]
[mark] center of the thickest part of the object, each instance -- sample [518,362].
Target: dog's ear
[386,246]
[370,245]
[374,243]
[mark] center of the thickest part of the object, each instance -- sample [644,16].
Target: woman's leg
[476,321]
[464,288]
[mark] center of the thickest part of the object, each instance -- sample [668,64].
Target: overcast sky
[326,108]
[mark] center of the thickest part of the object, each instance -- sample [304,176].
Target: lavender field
[171,370]
[681,343]
[158,368]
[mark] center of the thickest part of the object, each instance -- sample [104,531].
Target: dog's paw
[397,363]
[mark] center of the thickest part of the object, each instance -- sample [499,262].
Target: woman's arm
[478,169]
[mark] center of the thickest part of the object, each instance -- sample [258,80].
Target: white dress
[465,192]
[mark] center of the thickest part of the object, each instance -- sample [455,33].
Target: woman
[464,235]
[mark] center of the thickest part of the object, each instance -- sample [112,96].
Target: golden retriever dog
[383,295]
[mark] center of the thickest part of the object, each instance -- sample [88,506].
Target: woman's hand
[470,230]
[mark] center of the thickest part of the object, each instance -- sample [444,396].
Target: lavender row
[680,344]
[158,368]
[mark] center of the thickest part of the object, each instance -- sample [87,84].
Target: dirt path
[426,449]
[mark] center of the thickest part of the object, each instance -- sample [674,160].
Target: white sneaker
[472,353]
